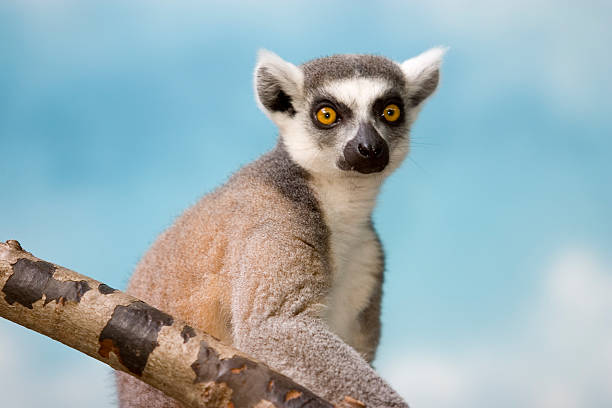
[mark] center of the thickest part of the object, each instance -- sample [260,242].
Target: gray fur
[369,318]
[291,180]
[319,71]
[427,86]
[369,321]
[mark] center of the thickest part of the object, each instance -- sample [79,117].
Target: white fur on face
[358,94]
[303,148]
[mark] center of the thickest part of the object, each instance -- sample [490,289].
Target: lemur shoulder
[283,261]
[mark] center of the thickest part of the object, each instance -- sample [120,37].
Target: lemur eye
[391,112]
[326,115]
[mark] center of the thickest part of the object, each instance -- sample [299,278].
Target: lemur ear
[423,73]
[278,84]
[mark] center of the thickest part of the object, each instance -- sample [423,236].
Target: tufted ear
[423,73]
[278,85]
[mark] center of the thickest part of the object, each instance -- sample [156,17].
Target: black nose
[370,150]
[367,152]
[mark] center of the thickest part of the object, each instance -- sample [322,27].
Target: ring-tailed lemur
[283,261]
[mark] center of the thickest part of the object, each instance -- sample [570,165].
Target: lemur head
[346,114]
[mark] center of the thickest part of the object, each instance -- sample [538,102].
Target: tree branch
[129,335]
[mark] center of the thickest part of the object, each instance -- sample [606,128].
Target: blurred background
[114,119]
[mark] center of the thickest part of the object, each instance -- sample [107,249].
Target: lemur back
[283,261]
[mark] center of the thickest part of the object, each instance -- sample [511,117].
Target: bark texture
[132,336]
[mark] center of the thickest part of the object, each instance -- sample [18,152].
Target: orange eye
[391,112]
[326,115]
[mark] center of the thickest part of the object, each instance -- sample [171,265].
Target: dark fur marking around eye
[105,289]
[31,280]
[131,333]
[385,100]
[187,333]
[262,383]
[327,100]
[323,100]
[325,103]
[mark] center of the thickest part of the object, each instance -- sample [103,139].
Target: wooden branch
[129,335]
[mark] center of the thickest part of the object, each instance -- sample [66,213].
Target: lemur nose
[366,153]
[370,150]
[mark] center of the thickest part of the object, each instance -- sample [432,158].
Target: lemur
[283,261]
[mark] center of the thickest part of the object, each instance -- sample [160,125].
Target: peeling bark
[132,336]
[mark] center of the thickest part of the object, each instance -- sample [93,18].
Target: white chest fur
[355,253]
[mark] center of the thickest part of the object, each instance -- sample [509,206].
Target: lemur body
[283,261]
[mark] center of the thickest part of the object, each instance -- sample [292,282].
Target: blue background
[116,116]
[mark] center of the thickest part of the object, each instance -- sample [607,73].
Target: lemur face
[346,114]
